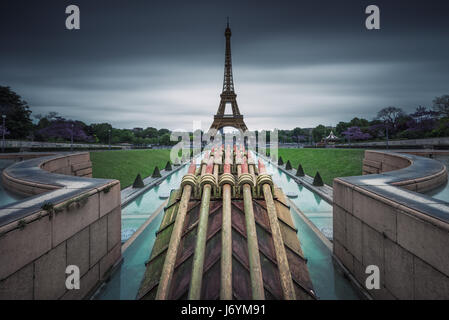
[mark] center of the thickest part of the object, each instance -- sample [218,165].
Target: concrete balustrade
[380,219]
[69,220]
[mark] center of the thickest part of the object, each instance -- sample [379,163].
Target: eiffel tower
[228,95]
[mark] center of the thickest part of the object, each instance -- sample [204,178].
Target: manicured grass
[331,163]
[124,165]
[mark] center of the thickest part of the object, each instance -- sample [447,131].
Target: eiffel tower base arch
[235,121]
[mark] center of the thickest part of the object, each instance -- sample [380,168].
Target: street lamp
[3,140]
[109,134]
[71,140]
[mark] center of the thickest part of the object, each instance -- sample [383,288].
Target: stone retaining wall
[74,165]
[404,233]
[82,227]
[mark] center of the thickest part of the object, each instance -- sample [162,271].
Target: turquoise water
[318,211]
[441,193]
[125,282]
[138,211]
[6,197]
[328,282]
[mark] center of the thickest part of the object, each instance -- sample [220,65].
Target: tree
[165,139]
[17,113]
[298,133]
[150,132]
[319,133]
[422,121]
[377,129]
[62,130]
[358,122]
[161,132]
[441,105]
[355,133]
[341,127]
[390,115]
[101,131]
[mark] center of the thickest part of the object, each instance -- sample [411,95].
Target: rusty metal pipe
[172,251]
[204,163]
[253,246]
[201,237]
[281,256]
[226,235]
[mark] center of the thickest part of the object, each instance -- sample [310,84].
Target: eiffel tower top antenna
[227,22]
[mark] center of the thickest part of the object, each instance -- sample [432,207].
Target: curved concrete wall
[80,225]
[380,219]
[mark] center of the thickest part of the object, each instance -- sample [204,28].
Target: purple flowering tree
[62,130]
[354,133]
[422,120]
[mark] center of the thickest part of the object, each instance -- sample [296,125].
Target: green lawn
[124,165]
[331,163]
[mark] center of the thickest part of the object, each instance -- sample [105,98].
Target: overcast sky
[160,63]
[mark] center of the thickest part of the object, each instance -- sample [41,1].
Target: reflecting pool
[7,197]
[139,210]
[318,211]
[441,193]
[328,281]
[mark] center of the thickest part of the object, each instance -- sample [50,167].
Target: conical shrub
[280,162]
[300,171]
[156,173]
[318,181]
[138,182]
[268,153]
[168,166]
[288,166]
[176,163]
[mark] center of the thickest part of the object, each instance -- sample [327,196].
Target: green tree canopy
[17,112]
[101,131]
[318,133]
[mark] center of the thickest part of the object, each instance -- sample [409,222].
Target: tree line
[53,127]
[390,122]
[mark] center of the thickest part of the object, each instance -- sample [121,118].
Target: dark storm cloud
[160,63]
